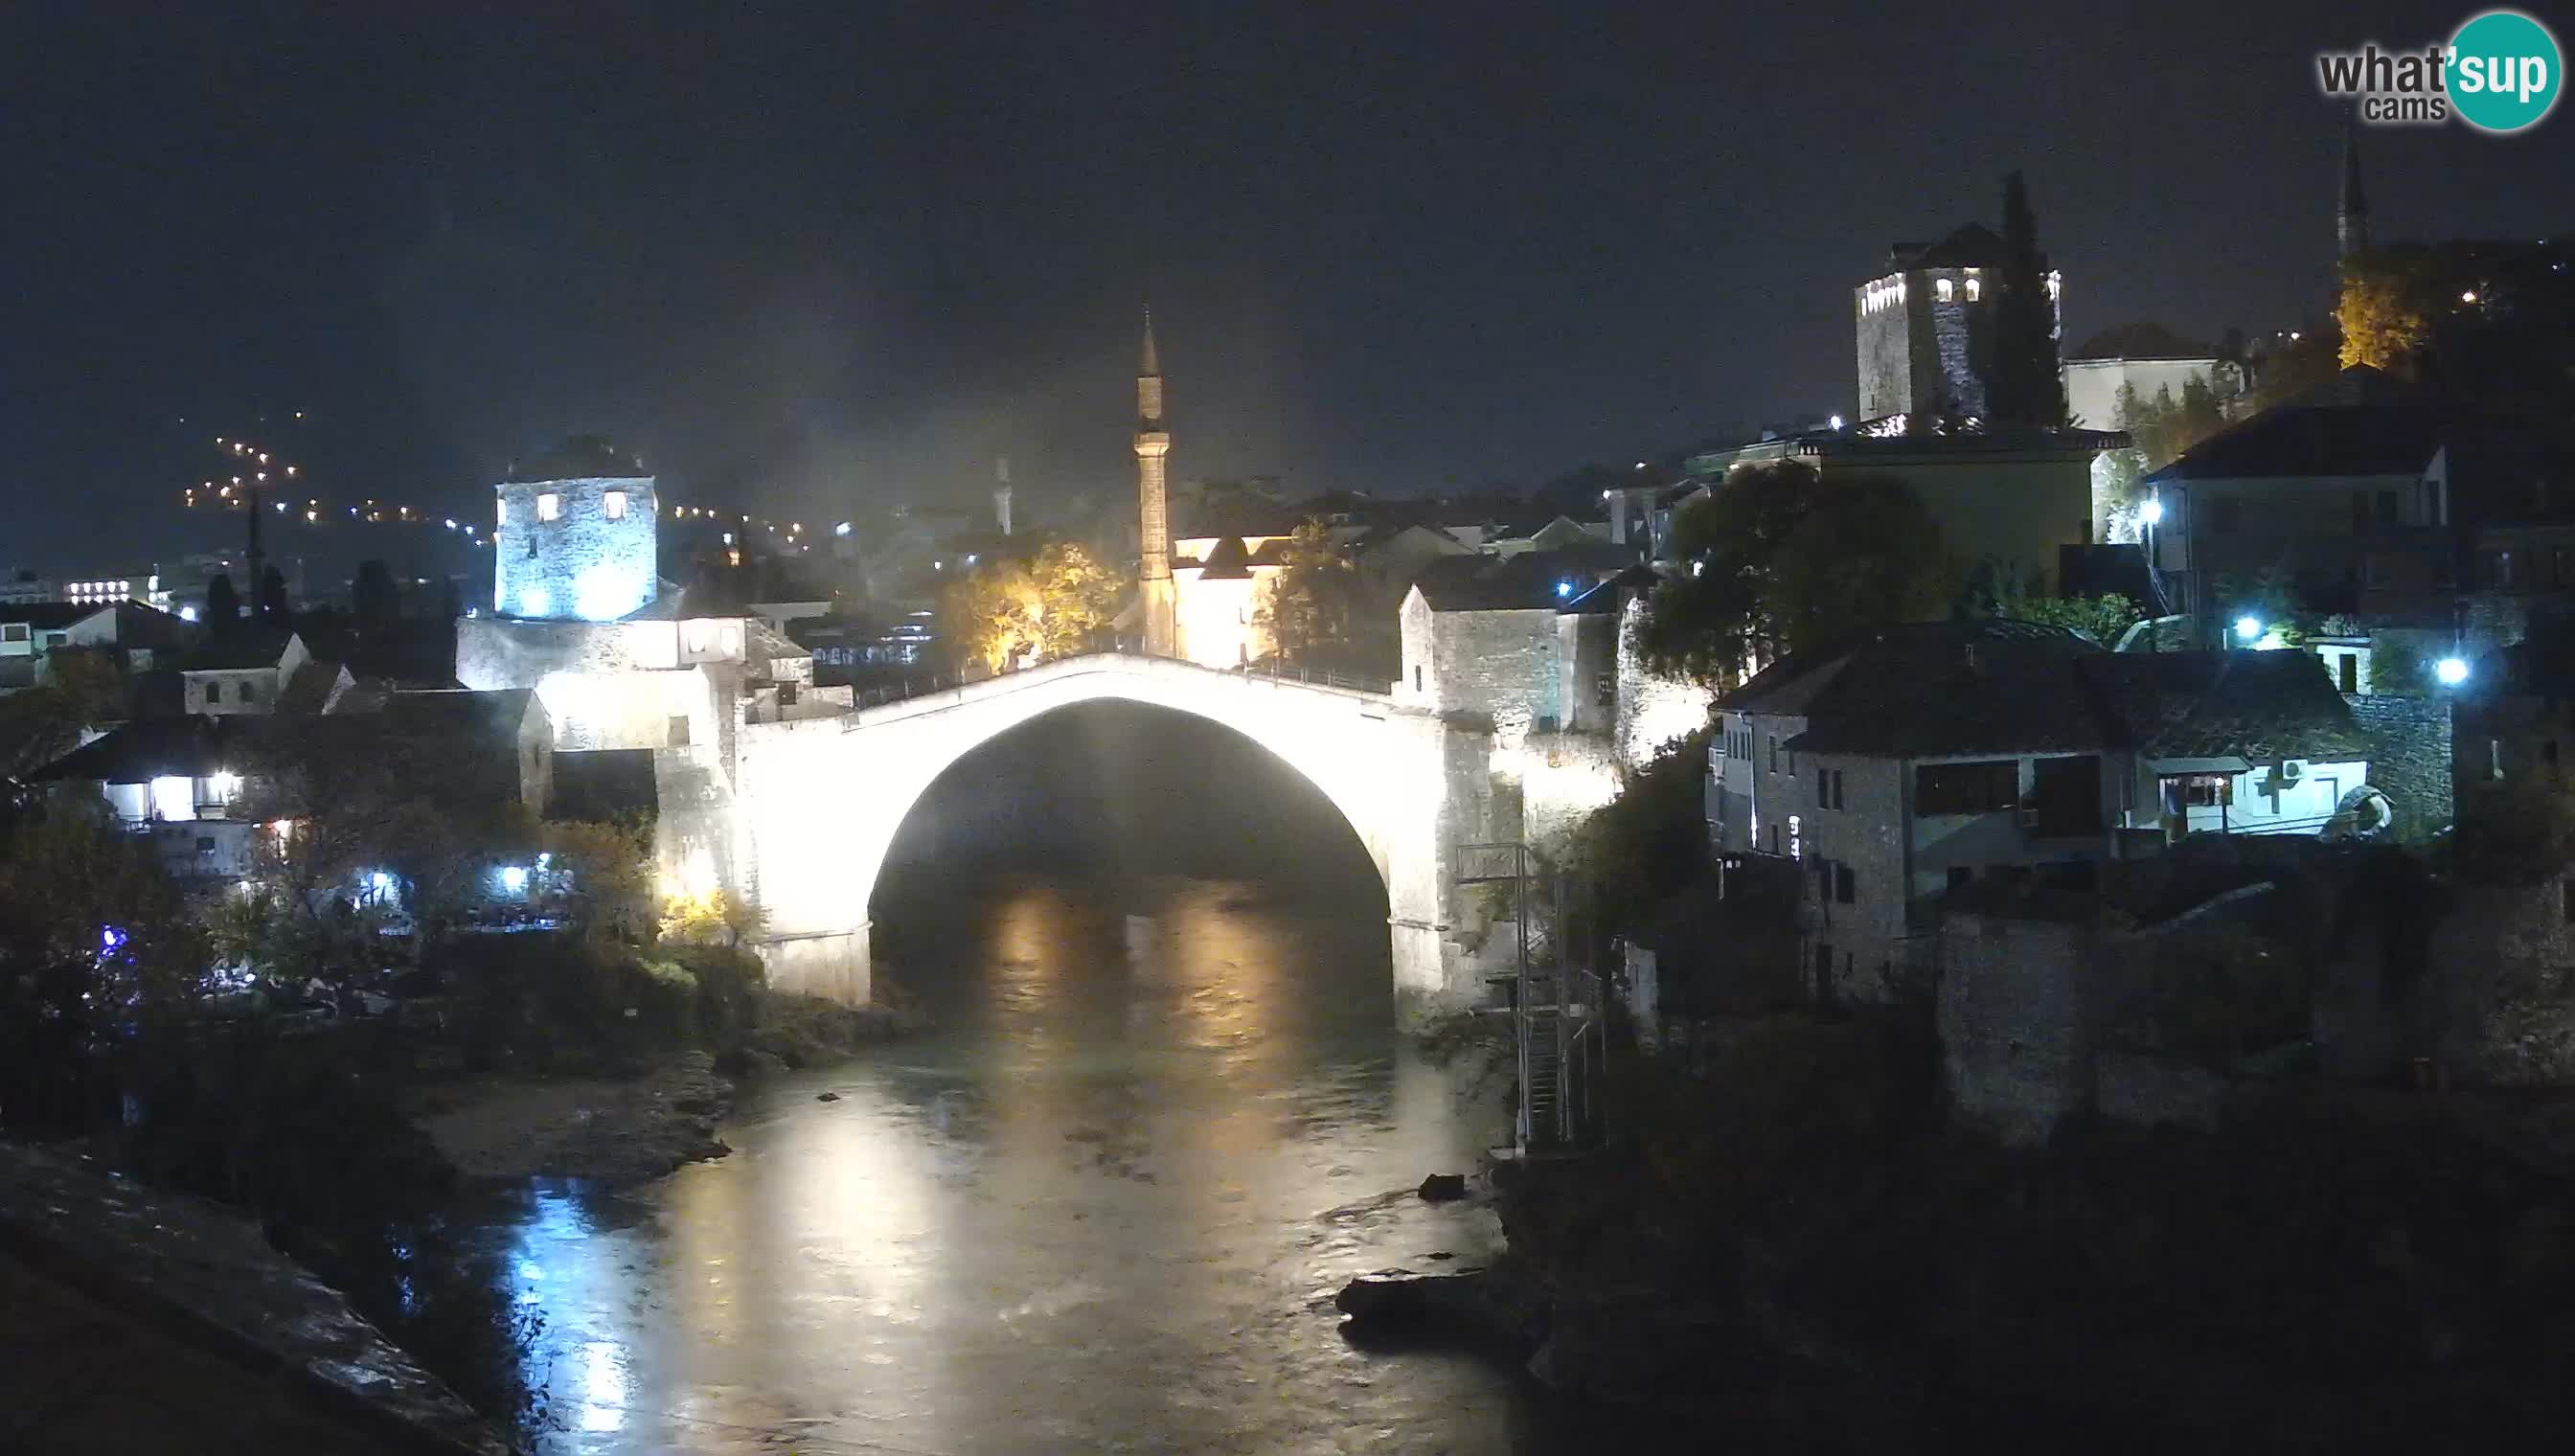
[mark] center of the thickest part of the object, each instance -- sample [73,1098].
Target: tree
[1779,560]
[1307,610]
[2382,311]
[223,604]
[1013,612]
[373,600]
[272,598]
[2104,618]
[95,943]
[990,616]
[607,874]
[1077,597]
[2024,386]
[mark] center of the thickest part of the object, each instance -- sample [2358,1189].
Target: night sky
[809,261]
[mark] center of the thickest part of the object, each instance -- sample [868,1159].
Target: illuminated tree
[1076,599]
[1010,613]
[2382,313]
[1309,608]
[1775,560]
[990,616]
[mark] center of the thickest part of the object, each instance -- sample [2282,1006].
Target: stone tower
[1153,442]
[1925,325]
[2351,208]
[575,535]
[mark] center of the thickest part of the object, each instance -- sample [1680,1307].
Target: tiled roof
[45,615]
[1972,246]
[1527,581]
[1965,688]
[581,458]
[2261,706]
[1951,689]
[2360,422]
[240,650]
[2141,341]
[1226,562]
[188,745]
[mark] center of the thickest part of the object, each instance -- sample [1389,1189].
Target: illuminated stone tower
[2351,208]
[1153,444]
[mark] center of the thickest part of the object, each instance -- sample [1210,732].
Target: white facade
[2092,385]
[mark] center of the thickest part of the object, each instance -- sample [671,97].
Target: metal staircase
[1555,1007]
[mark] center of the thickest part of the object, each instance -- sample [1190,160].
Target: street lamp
[2152,513]
[2451,671]
[2248,628]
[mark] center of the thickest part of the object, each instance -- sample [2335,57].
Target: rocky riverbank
[642,1122]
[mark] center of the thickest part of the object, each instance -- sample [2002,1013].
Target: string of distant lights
[252,471]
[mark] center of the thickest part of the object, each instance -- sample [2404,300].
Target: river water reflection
[1104,1206]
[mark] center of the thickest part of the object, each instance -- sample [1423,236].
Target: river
[1104,1206]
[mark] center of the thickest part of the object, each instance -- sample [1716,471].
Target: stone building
[575,540]
[1925,327]
[578,537]
[2009,498]
[1919,760]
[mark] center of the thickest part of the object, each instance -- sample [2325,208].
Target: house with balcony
[1921,758]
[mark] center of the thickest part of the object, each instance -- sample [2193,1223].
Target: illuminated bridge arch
[817,801]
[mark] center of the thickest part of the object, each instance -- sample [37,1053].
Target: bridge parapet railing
[909,689]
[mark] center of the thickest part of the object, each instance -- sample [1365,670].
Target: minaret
[1153,442]
[2351,209]
[1001,495]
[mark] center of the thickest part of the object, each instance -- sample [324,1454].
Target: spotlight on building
[841,529]
[1837,422]
[2451,671]
[2152,512]
[514,877]
[2248,628]
[1564,589]
[187,613]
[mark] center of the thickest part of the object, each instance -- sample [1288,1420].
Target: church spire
[2351,208]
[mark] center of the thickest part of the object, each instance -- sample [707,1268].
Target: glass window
[548,507]
[1944,288]
[214,692]
[613,505]
[1845,884]
[1966,789]
[1976,289]
[250,693]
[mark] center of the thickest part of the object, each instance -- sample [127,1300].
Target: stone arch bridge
[817,802]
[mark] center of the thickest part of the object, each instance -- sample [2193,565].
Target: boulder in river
[1443,1187]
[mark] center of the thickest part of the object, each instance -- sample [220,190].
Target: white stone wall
[581,565]
[1499,666]
[1868,835]
[1654,712]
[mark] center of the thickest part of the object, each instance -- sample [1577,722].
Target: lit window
[1976,289]
[1945,288]
[548,507]
[614,504]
